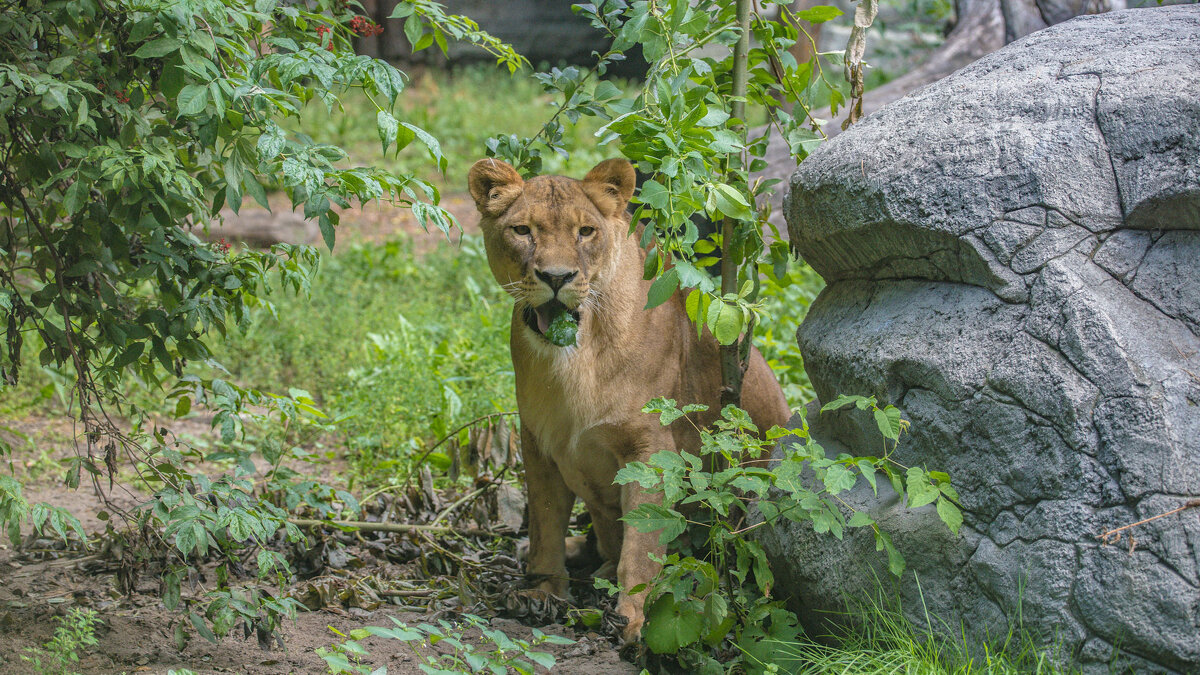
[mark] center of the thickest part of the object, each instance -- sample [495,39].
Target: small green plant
[76,631]
[711,603]
[14,509]
[498,653]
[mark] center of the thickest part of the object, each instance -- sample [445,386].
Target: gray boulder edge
[1013,258]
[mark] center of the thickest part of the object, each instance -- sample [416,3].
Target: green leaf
[401,633]
[171,589]
[888,421]
[920,490]
[75,197]
[838,479]
[730,202]
[637,472]
[671,626]
[562,330]
[650,267]
[883,542]
[201,627]
[715,117]
[949,491]
[271,143]
[387,126]
[724,321]
[818,14]
[868,471]
[541,658]
[192,100]
[654,195]
[131,354]
[654,517]
[692,277]
[949,514]
[662,288]
[328,234]
[841,402]
[157,48]
[860,519]
[666,409]
[435,148]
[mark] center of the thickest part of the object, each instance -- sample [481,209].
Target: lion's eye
[586,231]
[521,230]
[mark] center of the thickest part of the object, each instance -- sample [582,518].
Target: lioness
[558,245]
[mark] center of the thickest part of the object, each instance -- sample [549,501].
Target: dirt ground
[37,585]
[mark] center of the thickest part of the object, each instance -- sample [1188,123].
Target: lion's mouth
[539,318]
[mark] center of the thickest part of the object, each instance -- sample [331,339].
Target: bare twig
[394,527]
[435,446]
[1114,535]
[415,593]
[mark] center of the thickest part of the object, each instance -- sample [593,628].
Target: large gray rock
[1013,258]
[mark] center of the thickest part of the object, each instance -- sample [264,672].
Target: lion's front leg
[550,502]
[636,568]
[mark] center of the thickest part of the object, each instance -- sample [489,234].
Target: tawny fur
[580,406]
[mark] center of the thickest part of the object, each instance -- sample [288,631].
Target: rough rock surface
[1013,258]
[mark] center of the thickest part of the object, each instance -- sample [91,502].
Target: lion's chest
[582,425]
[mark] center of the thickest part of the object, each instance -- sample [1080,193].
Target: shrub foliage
[126,127]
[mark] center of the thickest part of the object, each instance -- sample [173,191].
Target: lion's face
[552,241]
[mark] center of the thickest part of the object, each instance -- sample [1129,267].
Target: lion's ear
[610,185]
[494,185]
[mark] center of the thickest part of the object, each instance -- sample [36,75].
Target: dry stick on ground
[395,527]
[1114,535]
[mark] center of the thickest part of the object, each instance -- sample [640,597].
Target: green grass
[401,349]
[881,641]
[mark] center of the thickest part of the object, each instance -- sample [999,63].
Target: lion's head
[552,242]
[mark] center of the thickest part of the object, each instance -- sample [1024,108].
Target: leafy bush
[126,126]
[711,602]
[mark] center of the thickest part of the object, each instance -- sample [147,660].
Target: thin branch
[1113,533]
[435,446]
[395,527]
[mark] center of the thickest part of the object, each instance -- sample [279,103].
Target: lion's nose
[555,280]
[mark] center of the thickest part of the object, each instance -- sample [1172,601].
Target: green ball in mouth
[554,322]
[562,330]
